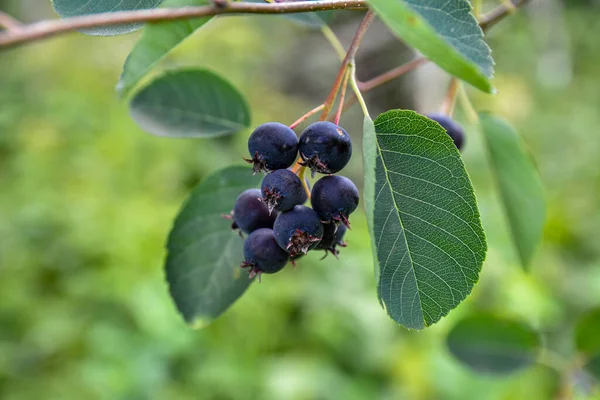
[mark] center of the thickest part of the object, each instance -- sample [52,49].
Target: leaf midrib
[412,265]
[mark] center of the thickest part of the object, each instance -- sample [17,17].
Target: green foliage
[157,41]
[427,233]
[369,157]
[490,344]
[190,103]
[445,32]
[72,8]
[587,338]
[204,253]
[520,186]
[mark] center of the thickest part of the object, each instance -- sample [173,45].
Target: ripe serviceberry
[282,190]
[325,147]
[453,128]
[263,254]
[298,230]
[334,198]
[251,213]
[333,236]
[272,146]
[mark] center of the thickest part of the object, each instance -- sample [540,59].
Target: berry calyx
[453,128]
[334,198]
[298,230]
[272,146]
[325,147]
[262,254]
[281,190]
[333,236]
[251,213]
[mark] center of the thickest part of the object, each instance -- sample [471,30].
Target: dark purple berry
[272,146]
[251,213]
[282,190]
[298,230]
[263,254]
[453,128]
[333,236]
[334,198]
[325,147]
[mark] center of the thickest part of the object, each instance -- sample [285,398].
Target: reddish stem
[307,115]
[338,115]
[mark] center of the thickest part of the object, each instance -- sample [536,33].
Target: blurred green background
[87,200]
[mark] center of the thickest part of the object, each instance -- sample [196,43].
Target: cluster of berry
[279,227]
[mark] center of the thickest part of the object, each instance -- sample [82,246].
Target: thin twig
[9,22]
[450,98]
[360,32]
[334,41]
[46,29]
[338,115]
[496,15]
[307,115]
[391,74]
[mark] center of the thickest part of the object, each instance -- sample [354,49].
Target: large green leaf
[587,333]
[428,235]
[156,42]
[73,8]
[490,344]
[446,32]
[204,254]
[519,184]
[190,103]
[369,157]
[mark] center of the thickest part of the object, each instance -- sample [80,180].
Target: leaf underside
[493,345]
[204,254]
[73,8]
[427,231]
[190,103]
[446,32]
[519,184]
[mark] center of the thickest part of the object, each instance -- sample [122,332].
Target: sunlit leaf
[190,103]
[444,31]
[427,231]
[519,185]
[491,344]
[204,254]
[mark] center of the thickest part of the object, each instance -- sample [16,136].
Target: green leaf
[73,8]
[428,235]
[519,184]
[190,103]
[593,367]
[490,344]
[445,32]
[157,40]
[369,157]
[587,333]
[204,254]
[312,19]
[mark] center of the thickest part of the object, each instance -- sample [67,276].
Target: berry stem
[8,22]
[334,41]
[468,108]
[358,36]
[384,78]
[338,115]
[300,174]
[307,115]
[450,99]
